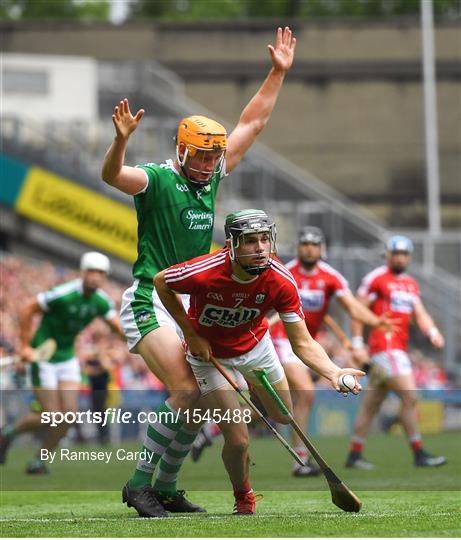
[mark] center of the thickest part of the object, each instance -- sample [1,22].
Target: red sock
[417,445]
[244,487]
[356,447]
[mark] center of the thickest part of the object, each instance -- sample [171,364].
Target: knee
[184,398]
[409,400]
[237,442]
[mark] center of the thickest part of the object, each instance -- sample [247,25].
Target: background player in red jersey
[317,283]
[231,291]
[390,289]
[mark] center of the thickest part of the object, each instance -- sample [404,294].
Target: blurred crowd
[23,278]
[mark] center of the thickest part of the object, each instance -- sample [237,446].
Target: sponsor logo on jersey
[312,300]
[144,316]
[227,317]
[182,187]
[197,220]
[402,301]
[260,298]
[215,296]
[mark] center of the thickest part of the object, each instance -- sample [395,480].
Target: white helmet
[95,261]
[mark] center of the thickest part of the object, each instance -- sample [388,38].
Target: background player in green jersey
[175,207]
[65,311]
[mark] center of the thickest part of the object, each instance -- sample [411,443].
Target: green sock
[172,461]
[158,438]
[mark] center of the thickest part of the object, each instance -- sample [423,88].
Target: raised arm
[427,326]
[127,179]
[256,114]
[313,355]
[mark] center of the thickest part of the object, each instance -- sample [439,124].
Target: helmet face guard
[199,169]
[200,135]
[250,222]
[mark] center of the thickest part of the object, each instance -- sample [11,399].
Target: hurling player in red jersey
[318,283]
[231,291]
[390,289]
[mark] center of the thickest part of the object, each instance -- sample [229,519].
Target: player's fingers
[271,50]
[354,372]
[293,44]
[278,40]
[287,36]
[139,115]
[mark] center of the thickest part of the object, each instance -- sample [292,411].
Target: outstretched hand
[283,53]
[347,371]
[125,123]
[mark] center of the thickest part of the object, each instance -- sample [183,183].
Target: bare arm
[258,111]
[314,356]
[26,317]
[359,351]
[115,326]
[427,326]
[127,179]
[337,331]
[199,346]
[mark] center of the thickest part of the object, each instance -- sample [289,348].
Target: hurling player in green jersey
[65,311]
[175,207]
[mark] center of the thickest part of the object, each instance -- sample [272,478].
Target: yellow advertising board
[79,212]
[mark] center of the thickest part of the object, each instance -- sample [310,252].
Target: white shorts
[48,376]
[262,356]
[145,312]
[393,363]
[285,352]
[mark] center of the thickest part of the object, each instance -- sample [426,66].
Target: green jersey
[67,313]
[175,219]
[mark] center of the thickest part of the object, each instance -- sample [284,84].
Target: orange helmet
[201,133]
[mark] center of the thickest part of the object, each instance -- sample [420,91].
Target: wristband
[434,331]
[357,342]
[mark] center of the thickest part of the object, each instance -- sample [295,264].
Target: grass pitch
[398,499]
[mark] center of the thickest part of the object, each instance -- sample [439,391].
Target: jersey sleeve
[107,307]
[339,284]
[368,288]
[288,302]
[150,170]
[49,299]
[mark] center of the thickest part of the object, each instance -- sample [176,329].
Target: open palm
[283,53]
[125,123]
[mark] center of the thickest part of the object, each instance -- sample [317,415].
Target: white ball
[347,382]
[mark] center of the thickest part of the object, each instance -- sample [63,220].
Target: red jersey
[228,312]
[316,289]
[396,294]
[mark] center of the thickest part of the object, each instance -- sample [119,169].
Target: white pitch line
[261,516]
